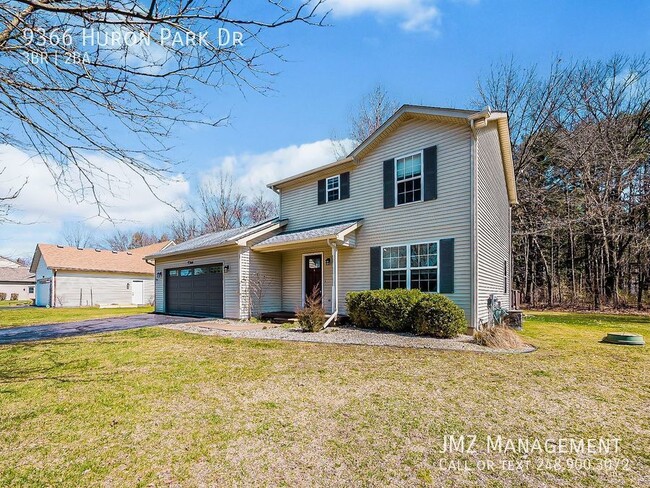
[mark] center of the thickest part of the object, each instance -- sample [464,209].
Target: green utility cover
[624,338]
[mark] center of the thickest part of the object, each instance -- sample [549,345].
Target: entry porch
[306,261]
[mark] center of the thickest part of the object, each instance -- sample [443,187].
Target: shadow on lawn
[49,366]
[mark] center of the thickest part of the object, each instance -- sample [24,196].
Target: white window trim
[408,263]
[338,188]
[421,153]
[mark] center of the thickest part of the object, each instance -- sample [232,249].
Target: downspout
[335,283]
[510,260]
[54,288]
[474,320]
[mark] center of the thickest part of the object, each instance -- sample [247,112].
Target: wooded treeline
[581,142]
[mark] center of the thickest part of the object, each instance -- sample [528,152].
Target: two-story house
[423,203]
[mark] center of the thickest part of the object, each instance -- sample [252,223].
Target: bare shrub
[312,316]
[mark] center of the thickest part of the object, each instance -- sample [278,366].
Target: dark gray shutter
[375,268]
[321,192]
[344,180]
[446,263]
[431,173]
[389,183]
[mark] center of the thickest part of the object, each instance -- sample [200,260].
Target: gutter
[479,119]
[275,186]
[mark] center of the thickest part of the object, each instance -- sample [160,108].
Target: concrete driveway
[94,326]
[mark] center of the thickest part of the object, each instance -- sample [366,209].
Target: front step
[292,320]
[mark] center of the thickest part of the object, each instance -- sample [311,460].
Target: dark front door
[195,290]
[313,275]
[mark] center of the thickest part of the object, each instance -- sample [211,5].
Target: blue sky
[421,51]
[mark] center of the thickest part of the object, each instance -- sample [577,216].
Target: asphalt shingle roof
[72,258]
[18,274]
[212,239]
[307,234]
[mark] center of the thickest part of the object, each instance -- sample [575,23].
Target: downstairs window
[411,266]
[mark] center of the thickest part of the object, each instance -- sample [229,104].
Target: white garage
[79,277]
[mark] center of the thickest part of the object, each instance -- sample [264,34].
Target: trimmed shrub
[361,308]
[406,311]
[312,316]
[438,316]
[14,296]
[3,297]
[394,309]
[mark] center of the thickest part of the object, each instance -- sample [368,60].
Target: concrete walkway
[94,326]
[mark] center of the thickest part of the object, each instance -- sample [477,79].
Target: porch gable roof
[336,231]
[236,236]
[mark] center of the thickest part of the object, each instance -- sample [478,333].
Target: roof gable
[473,119]
[98,260]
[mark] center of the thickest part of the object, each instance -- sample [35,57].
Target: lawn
[159,407]
[40,315]
[14,303]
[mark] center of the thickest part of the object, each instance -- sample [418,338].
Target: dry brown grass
[155,407]
[499,337]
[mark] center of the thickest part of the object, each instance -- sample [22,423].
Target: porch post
[335,278]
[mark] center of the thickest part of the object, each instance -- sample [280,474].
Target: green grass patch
[160,407]
[40,315]
[14,303]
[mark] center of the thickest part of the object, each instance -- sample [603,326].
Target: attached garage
[208,276]
[195,290]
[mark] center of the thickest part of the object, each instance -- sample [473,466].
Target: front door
[313,275]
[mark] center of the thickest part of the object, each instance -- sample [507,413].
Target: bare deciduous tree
[83,80]
[184,228]
[221,204]
[260,209]
[373,110]
[123,241]
[78,235]
[7,199]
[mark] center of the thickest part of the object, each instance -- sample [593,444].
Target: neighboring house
[423,203]
[77,277]
[16,279]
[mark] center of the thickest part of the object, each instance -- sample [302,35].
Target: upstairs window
[333,188]
[408,178]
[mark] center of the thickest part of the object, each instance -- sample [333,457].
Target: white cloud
[415,15]
[42,210]
[46,210]
[252,172]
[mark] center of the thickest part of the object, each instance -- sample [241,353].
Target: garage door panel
[195,290]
